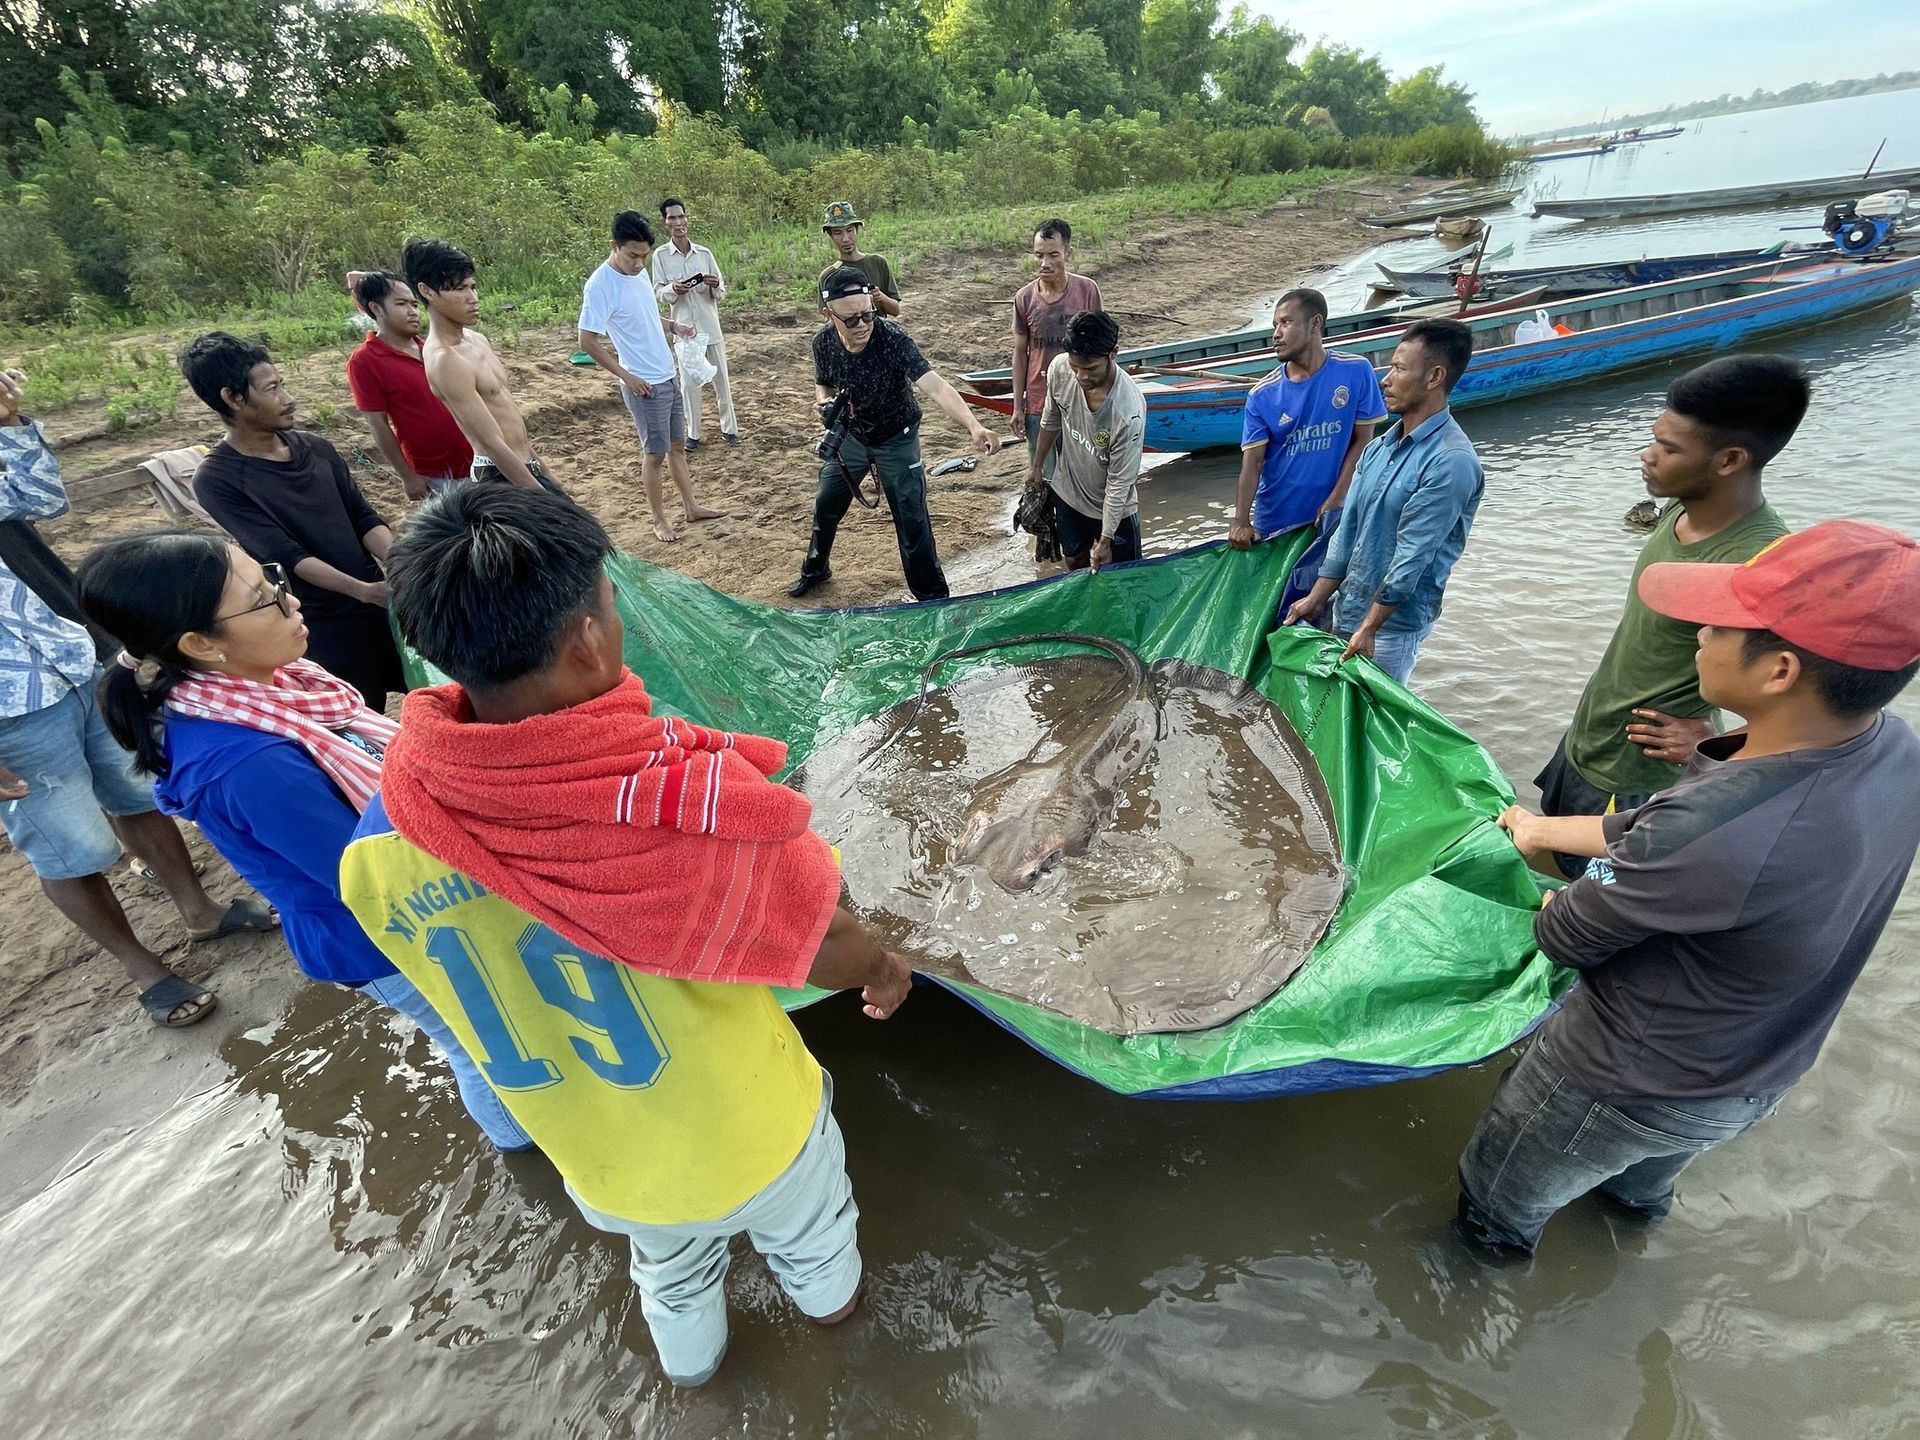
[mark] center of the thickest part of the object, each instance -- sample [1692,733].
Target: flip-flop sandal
[241,915]
[161,1000]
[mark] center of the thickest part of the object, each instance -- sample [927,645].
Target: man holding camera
[687,278]
[865,372]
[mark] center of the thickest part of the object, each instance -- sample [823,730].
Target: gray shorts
[660,417]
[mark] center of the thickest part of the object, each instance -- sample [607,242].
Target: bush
[36,271]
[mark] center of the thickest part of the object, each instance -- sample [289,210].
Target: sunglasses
[276,577]
[856,321]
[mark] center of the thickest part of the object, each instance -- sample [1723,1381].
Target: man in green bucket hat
[842,225]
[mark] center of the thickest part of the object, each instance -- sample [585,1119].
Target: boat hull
[1562,280]
[1786,192]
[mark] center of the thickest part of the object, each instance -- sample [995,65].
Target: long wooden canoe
[1613,332]
[1460,202]
[1782,192]
[1254,341]
[1561,281]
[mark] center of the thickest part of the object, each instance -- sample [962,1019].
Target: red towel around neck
[653,842]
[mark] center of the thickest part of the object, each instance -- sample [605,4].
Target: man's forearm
[1018,372]
[1377,615]
[1584,835]
[848,958]
[948,399]
[1043,447]
[318,572]
[602,351]
[378,541]
[387,443]
[886,305]
[1251,460]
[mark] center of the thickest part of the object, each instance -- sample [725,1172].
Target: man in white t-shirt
[621,327]
[688,279]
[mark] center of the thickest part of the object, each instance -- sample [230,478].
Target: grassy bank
[130,371]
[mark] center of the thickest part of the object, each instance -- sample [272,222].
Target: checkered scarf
[304,704]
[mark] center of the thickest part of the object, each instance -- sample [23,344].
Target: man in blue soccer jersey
[1304,429]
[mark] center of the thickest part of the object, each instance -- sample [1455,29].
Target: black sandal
[171,994]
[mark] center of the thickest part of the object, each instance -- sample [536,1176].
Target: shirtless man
[463,370]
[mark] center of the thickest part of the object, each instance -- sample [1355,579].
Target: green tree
[1073,73]
[1352,86]
[836,71]
[40,38]
[1255,67]
[1178,47]
[1421,99]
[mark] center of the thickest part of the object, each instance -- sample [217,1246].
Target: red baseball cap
[1846,591]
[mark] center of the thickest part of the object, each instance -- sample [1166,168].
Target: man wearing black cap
[865,370]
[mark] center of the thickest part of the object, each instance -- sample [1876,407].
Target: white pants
[722,393]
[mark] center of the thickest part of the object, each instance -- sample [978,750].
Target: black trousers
[903,477]
[359,649]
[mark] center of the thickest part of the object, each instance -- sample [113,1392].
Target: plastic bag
[1540,327]
[692,355]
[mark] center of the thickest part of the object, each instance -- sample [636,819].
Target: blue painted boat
[1611,333]
[1227,345]
[1578,278]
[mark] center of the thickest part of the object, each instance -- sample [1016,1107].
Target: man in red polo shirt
[414,432]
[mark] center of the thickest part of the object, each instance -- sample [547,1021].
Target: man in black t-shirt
[286,496]
[876,367]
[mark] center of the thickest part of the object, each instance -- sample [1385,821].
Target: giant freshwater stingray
[1138,848]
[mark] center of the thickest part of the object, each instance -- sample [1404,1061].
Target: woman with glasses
[271,756]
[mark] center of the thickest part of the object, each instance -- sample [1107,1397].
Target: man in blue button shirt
[1412,502]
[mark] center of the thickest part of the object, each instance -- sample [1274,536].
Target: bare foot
[664,532]
[701,512]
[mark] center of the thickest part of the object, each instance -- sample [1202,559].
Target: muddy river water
[318,1245]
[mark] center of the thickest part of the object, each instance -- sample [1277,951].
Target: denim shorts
[74,770]
[660,417]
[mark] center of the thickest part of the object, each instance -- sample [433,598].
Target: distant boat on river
[1739,197]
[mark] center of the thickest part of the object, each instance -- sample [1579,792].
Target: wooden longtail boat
[1782,192]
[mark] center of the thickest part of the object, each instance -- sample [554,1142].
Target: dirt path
[73,1044]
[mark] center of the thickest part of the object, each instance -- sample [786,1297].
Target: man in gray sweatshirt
[1732,912]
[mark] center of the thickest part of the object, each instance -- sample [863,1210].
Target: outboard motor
[1856,234]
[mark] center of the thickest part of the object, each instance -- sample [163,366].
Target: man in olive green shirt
[1641,714]
[842,227]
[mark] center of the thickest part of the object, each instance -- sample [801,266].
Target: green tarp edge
[1430,961]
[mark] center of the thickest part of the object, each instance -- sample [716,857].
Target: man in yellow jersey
[596,900]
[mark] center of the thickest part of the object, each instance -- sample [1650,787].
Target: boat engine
[1856,233]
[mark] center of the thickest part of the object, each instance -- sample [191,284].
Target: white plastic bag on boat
[1540,327]
[692,355]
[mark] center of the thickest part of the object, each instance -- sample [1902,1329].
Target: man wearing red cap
[1732,912]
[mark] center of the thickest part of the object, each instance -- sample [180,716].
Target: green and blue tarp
[1430,962]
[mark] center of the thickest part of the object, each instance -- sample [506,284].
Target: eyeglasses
[276,576]
[855,321]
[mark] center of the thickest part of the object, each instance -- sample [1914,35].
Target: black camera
[836,414]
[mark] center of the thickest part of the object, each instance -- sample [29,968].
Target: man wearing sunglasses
[876,368]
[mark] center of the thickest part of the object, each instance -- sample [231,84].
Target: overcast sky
[1533,64]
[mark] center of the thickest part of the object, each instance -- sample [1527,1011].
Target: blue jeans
[74,770]
[1394,651]
[1543,1143]
[496,1122]
[803,1222]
